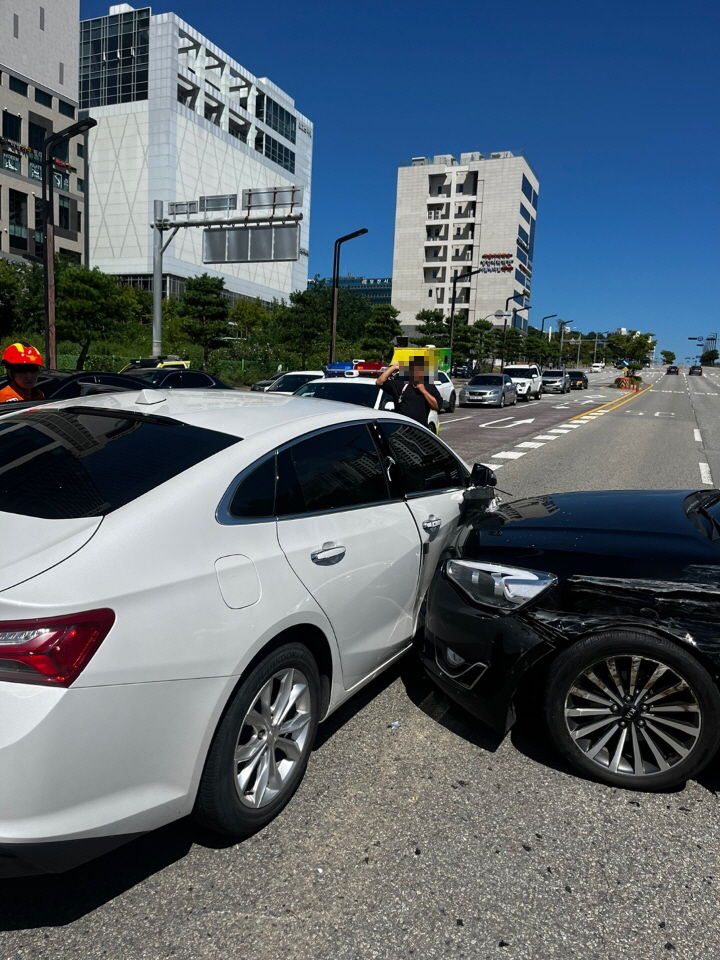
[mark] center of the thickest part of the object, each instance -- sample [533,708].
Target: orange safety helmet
[21,355]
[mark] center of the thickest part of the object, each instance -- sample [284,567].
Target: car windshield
[486,381]
[519,372]
[291,381]
[553,373]
[576,373]
[362,393]
[87,462]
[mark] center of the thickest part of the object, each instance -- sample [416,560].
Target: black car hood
[592,532]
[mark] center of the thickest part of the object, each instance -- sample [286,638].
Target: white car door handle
[328,554]
[432,524]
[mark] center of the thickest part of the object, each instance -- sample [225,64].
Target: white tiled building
[452,218]
[179,119]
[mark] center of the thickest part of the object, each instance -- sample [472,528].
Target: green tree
[204,311]
[9,291]
[667,356]
[246,317]
[432,327]
[630,346]
[302,327]
[90,306]
[380,330]
[707,358]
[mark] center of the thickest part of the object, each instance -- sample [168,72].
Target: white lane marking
[558,430]
[509,455]
[696,434]
[546,436]
[494,424]
[572,426]
[664,413]
[456,420]
[705,474]
[530,444]
[494,466]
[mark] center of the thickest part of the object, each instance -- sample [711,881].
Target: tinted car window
[255,495]
[422,461]
[85,463]
[168,382]
[195,380]
[291,381]
[553,373]
[332,470]
[521,372]
[365,395]
[485,381]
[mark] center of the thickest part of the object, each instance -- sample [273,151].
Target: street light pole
[335,287]
[49,145]
[562,324]
[542,324]
[507,307]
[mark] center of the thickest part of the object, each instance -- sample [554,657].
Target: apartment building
[39,96]
[472,219]
[180,120]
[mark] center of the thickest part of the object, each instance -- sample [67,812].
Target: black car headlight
[495,585]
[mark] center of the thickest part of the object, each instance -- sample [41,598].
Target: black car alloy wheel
[634,711]
[262,745]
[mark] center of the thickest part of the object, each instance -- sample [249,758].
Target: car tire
[514,403]
[239,797]
[433,427]
[453,401]
[645,759]
[502,401]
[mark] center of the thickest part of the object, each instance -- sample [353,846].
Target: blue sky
[614,105]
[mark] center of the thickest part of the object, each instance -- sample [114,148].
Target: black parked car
[607,604]
[68,384]
[578,380]
[169,379]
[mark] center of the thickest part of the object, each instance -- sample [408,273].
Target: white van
[597,368]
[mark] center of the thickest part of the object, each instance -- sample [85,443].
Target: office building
[179,120]
[374,289]
[452,218]
[39,96]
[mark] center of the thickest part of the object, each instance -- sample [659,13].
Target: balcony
[438,213]
[435,255]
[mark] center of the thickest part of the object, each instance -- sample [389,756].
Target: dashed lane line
[696,434]
[509,454]
[705,475]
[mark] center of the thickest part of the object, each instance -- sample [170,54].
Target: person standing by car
[414,397]
[22,363]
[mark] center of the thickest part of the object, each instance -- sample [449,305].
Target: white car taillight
[52,650]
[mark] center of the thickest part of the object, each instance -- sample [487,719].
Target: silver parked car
[490,389]
[556,381]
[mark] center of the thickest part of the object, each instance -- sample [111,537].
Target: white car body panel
[526,386]
[197,597]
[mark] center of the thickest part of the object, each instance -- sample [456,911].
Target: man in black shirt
[414,397]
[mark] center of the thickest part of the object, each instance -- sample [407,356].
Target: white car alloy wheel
[261,748]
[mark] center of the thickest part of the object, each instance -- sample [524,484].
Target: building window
[527,189]
[81,149]
[61,73]
[279,154]
[78,225]
[521,255]
[10,161]
[275,116]
[18,219]
[67,109]
[44,98]
[61,180]
[42,18]
[39,235]
[36,136]
[213,111]
[80,185]
[18,86]
[114,54]
[238,128]
[34,170]
[524,212]
[16,26]
[64,213]
[11,126]
[523,234]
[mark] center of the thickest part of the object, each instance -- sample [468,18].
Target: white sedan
[192,581]
[356,390]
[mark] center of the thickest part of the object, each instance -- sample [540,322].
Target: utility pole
[157,278]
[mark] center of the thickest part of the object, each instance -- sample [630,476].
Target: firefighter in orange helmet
[22,363]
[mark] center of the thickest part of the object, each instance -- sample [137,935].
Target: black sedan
[68,384]
[695,371]
[673,369]
[578,379]
[607,605]
[169,379]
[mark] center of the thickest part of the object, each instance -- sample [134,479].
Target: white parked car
[288,383]
[356,390]
[597,368]
[527,378]
[446,389]
[192,580]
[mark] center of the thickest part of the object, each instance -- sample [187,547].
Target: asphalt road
[415,834]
